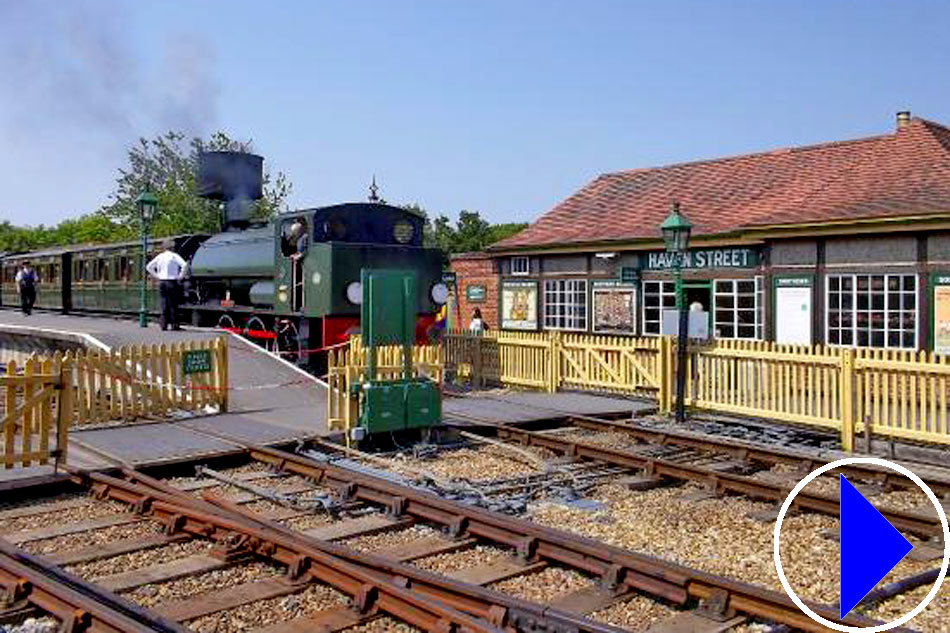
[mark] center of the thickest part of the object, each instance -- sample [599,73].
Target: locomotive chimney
[234,178]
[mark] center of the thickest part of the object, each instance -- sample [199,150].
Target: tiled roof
[899,174]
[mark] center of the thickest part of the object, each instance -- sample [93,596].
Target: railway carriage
[295,289]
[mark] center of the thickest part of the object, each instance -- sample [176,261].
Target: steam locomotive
[292,284]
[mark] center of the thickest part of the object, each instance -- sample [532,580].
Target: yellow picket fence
[46,396]
[555,360]
[33,403]
[146,381]
[889,393]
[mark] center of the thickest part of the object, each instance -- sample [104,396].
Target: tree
[168,164]
[469,233]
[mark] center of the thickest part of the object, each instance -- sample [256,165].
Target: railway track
[232,537]
[296,528]
[720,465]
[34,585]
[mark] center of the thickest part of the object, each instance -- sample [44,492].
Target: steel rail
[80,606]
[494,606]
[424,599]
[738,449]
[716,482]
[615,566]
[370,592]
[749,451]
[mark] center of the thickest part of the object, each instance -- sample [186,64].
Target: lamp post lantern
[676,230]
[146,204]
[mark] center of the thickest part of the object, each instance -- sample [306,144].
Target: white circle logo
[884,464]
[316,278]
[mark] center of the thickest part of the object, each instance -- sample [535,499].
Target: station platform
[271,401]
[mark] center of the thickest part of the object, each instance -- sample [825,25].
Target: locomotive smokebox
[234,178]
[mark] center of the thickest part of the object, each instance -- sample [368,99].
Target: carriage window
[124,272]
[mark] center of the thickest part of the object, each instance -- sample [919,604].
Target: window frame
[757,294]
[527,266]
[671,293]
[564,288]
[888,312]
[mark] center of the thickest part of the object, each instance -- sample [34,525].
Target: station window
[520,266]
[737,310]
[871,310]
[657,296]
[565,304]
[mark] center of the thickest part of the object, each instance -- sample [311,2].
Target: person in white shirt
[168,267]
[477,324]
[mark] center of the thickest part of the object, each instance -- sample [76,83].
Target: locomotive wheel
[256,325]
[288,344]
[225,322]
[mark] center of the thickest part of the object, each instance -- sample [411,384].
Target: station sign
[196,361]
[475,293]
[804,281]
[703,259]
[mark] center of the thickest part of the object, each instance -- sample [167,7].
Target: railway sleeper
[348,574]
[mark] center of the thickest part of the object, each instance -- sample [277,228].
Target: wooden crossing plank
[197,564]
[108,550]
[495,571]
[229,598]
[67,504]
[422,547]
[360,526]
[328,621]
[52,531]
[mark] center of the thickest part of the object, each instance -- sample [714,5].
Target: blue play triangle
[870,546]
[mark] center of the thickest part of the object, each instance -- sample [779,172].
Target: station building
[843,243]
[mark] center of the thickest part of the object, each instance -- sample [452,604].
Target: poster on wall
[942,315]
[793,310]
[519,305]
[615,308]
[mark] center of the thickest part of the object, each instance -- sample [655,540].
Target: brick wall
[475,269]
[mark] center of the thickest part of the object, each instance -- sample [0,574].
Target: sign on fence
[196,361]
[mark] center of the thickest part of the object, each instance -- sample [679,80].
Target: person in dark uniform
[26,285]
[168,267]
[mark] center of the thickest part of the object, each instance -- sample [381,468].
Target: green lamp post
[146,203]
[676,230]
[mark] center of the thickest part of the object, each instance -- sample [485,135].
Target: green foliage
[168,165]
[469,233]
[92,228]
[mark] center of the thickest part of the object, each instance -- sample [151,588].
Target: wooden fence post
[224,389]
[847,399]
[554,361]
[663,379]
[478,379]
[64,409]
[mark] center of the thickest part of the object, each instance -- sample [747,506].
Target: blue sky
[504,107]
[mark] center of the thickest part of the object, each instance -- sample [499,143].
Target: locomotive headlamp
[354,292]
[439,293]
